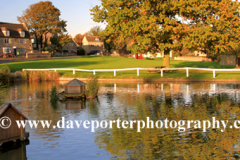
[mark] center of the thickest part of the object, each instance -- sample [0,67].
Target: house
[72,46]
[90,43]
[9,130]
[75,86]
[14,38]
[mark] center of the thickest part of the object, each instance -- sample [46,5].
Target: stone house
[72,46]
[90,43]
[14,38]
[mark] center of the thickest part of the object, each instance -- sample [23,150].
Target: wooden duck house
[9,130]
[74,89]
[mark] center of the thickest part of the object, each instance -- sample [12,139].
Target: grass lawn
[92,62]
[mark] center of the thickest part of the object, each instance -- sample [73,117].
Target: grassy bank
[91,62]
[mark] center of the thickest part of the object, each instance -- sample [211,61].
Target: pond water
[175,101]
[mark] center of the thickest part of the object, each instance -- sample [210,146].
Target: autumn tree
[42,18]
[78,37]
[95,31]
[165,25]
[60,41]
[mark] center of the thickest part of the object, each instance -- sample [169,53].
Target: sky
[75,12]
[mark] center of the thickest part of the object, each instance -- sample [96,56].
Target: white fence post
[94,72]
[55,70]
[138,72]
[161,73]
[114,72]
[213,73]
[115,87]
[73,71]
[187,72]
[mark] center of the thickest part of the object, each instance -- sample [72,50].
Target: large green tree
[165,25]
[42,18]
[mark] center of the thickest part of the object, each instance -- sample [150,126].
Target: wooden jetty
[9,131]
[74,89]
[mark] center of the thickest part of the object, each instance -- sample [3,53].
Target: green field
[92,62]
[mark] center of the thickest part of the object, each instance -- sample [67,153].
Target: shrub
[92,87]
[81,51]
[49,49]
[40,75]
[5,69]
[65,50]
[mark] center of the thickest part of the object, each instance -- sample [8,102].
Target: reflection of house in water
[75,105]
[14,151]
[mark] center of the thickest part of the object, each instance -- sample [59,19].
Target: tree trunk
[41,41]
[36,37]
[166,58]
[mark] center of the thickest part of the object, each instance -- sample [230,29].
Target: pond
[174,101]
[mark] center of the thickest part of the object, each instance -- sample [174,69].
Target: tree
[169,25]
[77,38]
[60,41]
[95,31]
[42,18]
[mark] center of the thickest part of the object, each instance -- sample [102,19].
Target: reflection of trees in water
[169,143]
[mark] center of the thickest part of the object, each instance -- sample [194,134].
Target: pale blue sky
[75,12]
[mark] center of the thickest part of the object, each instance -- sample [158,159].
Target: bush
[40,76]
[5,69]
[65,50]
[81,51]
[92,87]
[49,49]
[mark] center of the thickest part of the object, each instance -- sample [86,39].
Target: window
[22,33]
[6,33]
[7,41]
[92,45]
[96,39]
[22,41]
[98,45]
[32,40]
[70,44]
[7,50]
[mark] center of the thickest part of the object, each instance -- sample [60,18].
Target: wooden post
[138,72]
[187,72]
[213,73]
[114,72]
[73,71]
[161,73]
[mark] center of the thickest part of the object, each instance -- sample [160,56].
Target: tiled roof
[94,39]
[13,28]
[5,106]
[75,82]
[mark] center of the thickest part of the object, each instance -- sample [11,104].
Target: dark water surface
[194,101]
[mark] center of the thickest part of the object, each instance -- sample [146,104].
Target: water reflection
[175,101]
[14,151]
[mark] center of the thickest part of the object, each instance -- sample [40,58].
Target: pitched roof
[5,106]
[94,39]
[13,28]
[75,82]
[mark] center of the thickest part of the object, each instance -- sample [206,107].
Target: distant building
[72,46]
[90,43]
[14,38]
